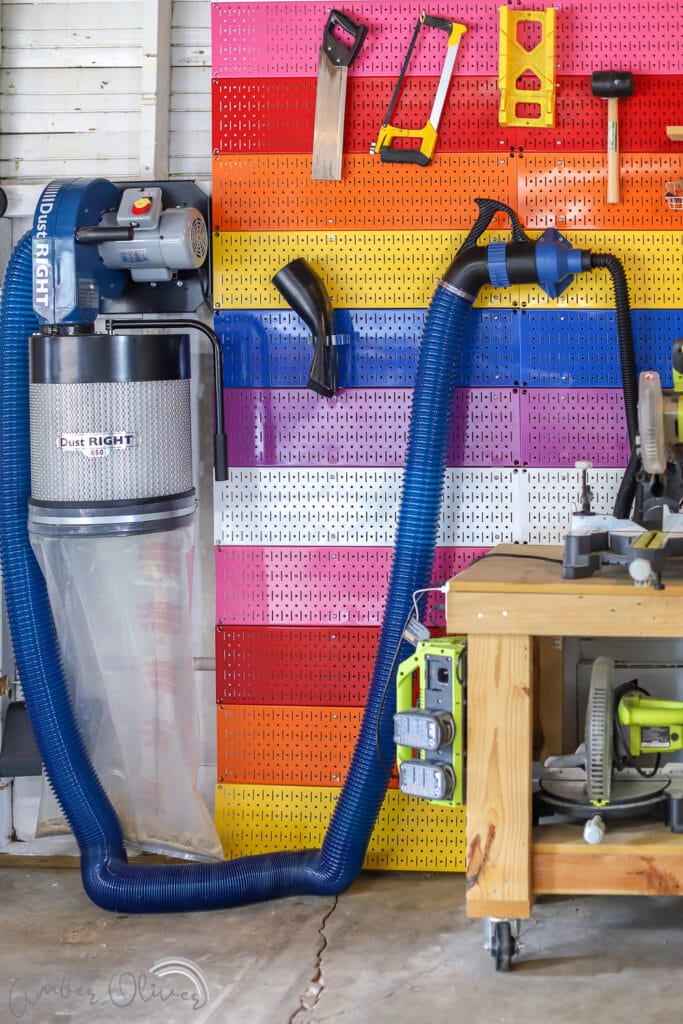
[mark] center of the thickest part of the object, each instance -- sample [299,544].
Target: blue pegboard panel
[270,348]
[572,348]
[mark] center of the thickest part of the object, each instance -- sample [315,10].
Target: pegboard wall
[305,524]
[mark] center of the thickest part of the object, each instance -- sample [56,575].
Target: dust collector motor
[110,412]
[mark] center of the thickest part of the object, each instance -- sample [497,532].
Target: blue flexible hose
[109,880]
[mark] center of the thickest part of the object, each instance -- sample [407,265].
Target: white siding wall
[71,80]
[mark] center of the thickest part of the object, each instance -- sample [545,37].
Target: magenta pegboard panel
[561,426]
[272,40]
[314,586]
[252,40]
[306,666]
[363,427]
[617,33]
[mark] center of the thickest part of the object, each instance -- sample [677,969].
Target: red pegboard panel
[275,115]
[308,666]
[271,115]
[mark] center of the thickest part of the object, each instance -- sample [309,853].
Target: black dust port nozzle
[304,290]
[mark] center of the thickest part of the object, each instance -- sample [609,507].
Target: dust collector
[112,501]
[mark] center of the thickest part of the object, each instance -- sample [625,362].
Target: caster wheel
[503,945]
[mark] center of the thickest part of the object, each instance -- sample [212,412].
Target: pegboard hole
[528,82]
[529,34]
[529,111]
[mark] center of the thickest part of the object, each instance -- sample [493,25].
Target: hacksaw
[427,135]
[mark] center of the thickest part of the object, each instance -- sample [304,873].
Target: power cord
[414,613]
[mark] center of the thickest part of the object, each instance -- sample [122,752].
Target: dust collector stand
[511,608]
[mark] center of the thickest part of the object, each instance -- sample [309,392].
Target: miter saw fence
[653,484]
[605,775]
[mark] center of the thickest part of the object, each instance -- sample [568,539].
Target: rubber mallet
[612,86]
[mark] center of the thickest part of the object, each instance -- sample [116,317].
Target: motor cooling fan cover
[599,731]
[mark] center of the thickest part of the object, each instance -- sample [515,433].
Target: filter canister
[111,445]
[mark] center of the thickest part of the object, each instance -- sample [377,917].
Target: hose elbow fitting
[468,272]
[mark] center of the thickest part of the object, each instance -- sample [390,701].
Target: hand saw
[428,134]
[330,99]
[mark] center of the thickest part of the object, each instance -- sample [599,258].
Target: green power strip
[430,735]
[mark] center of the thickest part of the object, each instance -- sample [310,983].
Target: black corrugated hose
[629,378]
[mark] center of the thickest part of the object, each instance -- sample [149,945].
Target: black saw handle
[342,56]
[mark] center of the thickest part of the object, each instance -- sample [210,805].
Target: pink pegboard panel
[313,586]
[302,665]
[617,33]
[254,40]
[561,426]
[363,427]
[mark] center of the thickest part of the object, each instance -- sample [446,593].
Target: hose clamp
[454,290]
[497,268]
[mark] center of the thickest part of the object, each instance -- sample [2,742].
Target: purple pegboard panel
[560,426]
[253,40]
[363,427]
[316,586]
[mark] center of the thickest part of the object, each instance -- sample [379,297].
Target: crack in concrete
[309,998]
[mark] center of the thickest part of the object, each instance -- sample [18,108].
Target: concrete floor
[394,949]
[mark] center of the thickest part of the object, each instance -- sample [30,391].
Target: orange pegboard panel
[569,191]
[277,193]
[284,745]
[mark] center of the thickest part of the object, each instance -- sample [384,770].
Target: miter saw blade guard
[600,776]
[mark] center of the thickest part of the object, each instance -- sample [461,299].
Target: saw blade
[328,130]
[599,731]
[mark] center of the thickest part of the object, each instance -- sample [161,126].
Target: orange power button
[141,205]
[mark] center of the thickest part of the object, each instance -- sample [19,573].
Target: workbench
[504,605]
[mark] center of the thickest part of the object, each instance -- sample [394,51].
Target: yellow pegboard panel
[399,269]
[410,834]
[276,193]
[568,192]
[651,260]
[361,269]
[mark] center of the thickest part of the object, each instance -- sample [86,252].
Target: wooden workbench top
[522,594]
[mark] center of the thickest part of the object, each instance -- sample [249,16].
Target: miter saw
[655,532]
[604,776]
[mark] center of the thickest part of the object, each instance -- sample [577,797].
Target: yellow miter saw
[605,776]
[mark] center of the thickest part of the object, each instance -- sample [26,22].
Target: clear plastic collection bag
[122,608]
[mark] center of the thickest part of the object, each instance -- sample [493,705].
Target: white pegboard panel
[356,507]
[545,499]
